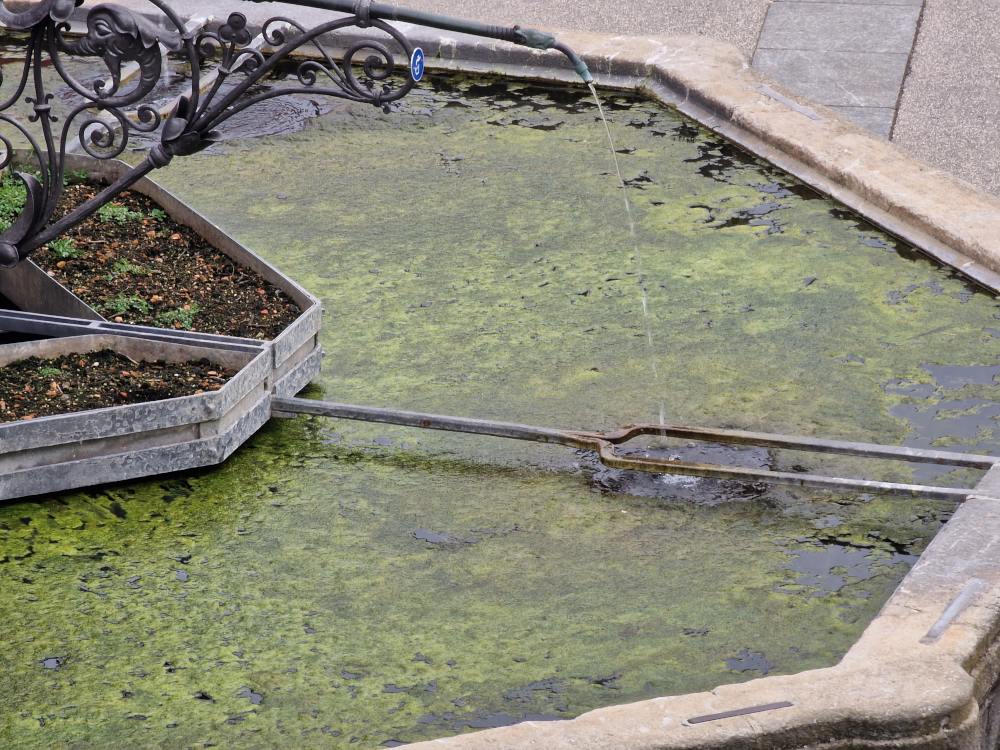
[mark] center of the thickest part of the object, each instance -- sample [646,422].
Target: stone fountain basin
[116,443]
[924,673]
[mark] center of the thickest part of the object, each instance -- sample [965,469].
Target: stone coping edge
[710,81]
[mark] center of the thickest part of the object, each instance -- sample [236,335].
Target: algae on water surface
[337,584]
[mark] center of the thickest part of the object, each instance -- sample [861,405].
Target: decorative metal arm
[112,110]
[513,34]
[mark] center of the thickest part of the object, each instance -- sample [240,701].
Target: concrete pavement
[735,21]
[849,55]
[949,112]
[934,70]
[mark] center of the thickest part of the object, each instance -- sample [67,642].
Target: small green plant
[75,176]
[64,248]
[125,266]
[12,196]
[117,213]
[50,372]
[180,316]
[123,304]
[158,214]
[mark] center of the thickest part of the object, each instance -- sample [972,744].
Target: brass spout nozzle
[581,67]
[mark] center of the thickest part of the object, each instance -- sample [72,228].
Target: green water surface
[347,585]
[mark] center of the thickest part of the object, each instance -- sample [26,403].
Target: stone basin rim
[939,214]
[711,81]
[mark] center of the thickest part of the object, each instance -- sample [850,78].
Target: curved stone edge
[895,688]
[926,672]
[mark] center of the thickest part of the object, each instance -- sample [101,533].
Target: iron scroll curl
[106,112]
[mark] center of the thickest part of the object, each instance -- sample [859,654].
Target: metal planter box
[81,448]
[56,453]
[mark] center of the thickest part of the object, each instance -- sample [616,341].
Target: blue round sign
[417,64]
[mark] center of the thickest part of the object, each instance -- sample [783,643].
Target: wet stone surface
[348,585]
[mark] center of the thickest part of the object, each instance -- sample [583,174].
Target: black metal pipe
[514,34]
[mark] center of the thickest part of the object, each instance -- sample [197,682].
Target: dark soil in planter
[36,387]
[133,264]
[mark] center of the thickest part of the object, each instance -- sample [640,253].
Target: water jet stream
[646,321]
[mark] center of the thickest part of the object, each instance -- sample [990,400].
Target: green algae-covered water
[340,585]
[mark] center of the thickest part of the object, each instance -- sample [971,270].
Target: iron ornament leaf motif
[57,10]
[118,36]
[235,30]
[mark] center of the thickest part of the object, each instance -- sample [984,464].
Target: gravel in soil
[36,387]
[133,264]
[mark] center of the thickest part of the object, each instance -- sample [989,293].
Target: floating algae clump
[337,584]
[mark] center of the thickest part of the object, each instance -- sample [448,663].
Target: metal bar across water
[426,421]
[604,445]
[811,444]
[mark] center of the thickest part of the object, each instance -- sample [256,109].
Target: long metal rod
[406,15]
[427,421]
[718,471]
[604,445]
[46,326]
[811,444]
[85,209]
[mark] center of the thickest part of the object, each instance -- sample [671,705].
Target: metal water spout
[513,34]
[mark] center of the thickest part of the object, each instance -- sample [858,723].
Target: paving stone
[876,119]
[849,79]
[917,3]
[844,27]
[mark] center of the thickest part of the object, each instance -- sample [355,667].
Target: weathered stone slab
[849,79]
[876,119]
[846,28]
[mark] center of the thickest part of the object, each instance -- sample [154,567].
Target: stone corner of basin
[929,705]
[889,692]
[846,156]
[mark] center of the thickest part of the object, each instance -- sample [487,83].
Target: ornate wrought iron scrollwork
[118,36]
[109,111]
